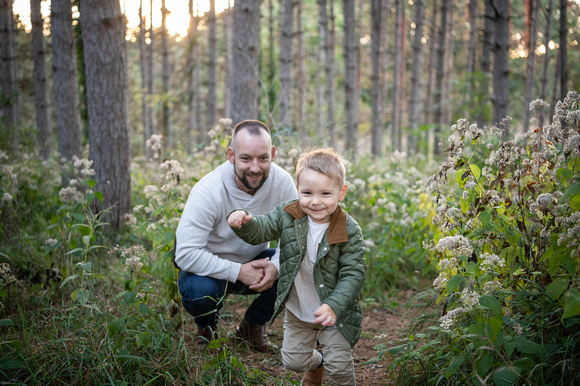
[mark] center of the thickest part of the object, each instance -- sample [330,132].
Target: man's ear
[230,153]
[342,194]
[273,152]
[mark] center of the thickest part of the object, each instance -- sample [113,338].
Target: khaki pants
[299,350]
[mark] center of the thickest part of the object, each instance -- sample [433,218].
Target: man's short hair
[254,127]
[325,161]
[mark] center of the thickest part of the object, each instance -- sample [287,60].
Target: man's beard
[247,183]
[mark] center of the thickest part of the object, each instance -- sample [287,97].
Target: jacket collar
[337,230]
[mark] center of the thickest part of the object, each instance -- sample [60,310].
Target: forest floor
[380,325]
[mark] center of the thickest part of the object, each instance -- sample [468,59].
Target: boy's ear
[342,194]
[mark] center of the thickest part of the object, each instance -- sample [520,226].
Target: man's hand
[270,274]
[325,315]
[250,275]
[238,218]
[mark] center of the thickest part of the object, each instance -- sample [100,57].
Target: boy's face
[319,195]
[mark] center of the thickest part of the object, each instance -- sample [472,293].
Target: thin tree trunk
[108,103]
[246,56]
[43,116]
[193,85]
[165,77]
[563,50]
[326,20]
[151,67]
[472,9]
[350,60]
[228,60]
[555,86]
[416,76]
[378,122]
[66,94]
[448,82]
[272,70]
[531,63]
[486,54]
[430,62]
[547,38]
[145,62]
[212,68]
[8,107]
[320,127]
[286,61]
[501,71]
[395,108]
[440,69]
[301,81]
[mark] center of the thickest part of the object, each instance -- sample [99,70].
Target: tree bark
[285,95]
[501,71]
[563,50]
[395,106]
[9,97]
[377,112]
[42,107]
[301,81]
[350,60]
[212,68]
[228,60]
[547,38]
[531,63]
[472,10]
[326,20]
[66,94]
[448,82]
[108,103]
[245,64]
[165,77]
[193,84]
[440,78]
[416,76]
[145,72]
[485,64]
[430,62]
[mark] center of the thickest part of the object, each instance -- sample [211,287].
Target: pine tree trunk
[301,84]
[350,68]
[377,112]
[193,84]
[246,56]
[563,50]
[472,10]
[228,60]
[531,63]
[9,106]
[416,76]
[395,107]
[440,70]
[145,106]
[165,77]
[286,60]
[66,95]
[547,38]
[320,126]
[501,71]
[212,68]
[430,62]
[326,20]
[272,71]
[42,107]
[448,82]
[108,103]
[485,64]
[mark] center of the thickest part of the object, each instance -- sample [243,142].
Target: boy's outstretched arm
[238,218]
[325,315]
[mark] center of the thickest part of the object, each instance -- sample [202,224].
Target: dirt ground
[380,325]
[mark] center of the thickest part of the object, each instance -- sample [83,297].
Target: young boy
[321,272]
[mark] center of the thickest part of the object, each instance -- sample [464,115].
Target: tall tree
[563,49]
[165,76]
[547,39]
[145,72]
[531,63]
[472,11]
[245,64]
[286,61]
[430,62]
[377,113]
[43,116]
[301,74]
[319,78]
[194,79]
[486,54]
[227,14]
[211,101]
[326,20]
[108,102]
[501,70]
[9,97]
[272,68]
[350,76]
[416,75]
[397,77]
[440,70]
[66,94]
[448,71]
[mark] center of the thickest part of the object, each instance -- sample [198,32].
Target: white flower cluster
[70,193]
[6,273]
[491,262]
[470,299]
[544,200]
[50,242]
[572,144]
[130,219]
[150,191]
[456,245]
[84,166]
[448,263]
[7,197]
[441,281]
[134,263]
[492,286]
[448,319]
[155,143]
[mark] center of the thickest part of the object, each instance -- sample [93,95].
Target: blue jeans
[203,297]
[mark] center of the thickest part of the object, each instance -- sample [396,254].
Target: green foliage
[508,260]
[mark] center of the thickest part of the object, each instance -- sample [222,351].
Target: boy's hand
[325,315]
[238,218]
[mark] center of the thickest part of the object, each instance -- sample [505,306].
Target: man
[212,259]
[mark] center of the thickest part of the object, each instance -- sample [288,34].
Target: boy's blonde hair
[325,161]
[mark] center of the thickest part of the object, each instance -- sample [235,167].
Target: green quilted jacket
[339,269]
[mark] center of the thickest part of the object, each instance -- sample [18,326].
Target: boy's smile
[319,195]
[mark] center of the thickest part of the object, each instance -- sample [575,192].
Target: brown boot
[313,377]
[205,336]
[255,335]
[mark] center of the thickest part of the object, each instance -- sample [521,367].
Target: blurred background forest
[459,119]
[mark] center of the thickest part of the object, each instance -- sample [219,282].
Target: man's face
[252,159]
